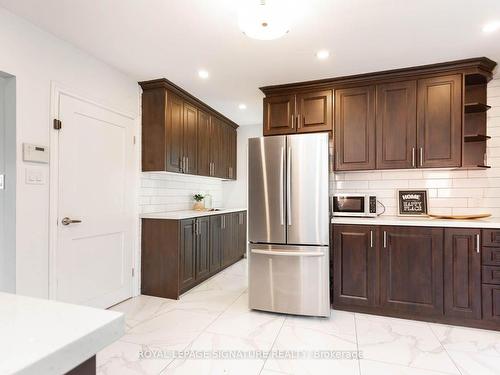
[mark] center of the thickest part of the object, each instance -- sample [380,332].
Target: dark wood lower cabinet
[85,368]
[215,243]
[187,275]
[462,273]
[411,271]
[202,231]
[444,275]
[491,303]
[355,261]
[179,254]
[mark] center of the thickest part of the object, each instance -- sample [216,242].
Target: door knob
[68,221]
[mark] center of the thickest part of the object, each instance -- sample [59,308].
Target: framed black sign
[412,203]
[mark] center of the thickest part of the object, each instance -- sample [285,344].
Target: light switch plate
[34,176]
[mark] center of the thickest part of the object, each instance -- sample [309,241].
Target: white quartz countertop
[490,222]
[43,337]
[189,214]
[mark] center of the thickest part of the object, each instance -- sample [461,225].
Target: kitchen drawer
[491,256]
[491,275]
[491,237]
[491,303]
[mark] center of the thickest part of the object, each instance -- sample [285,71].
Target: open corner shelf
[475,79]
[476,138]
[476,107]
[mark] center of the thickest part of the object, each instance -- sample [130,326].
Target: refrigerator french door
[288,218]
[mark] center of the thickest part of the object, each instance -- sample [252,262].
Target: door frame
[56,91]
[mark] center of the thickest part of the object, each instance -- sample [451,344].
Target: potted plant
[198,202]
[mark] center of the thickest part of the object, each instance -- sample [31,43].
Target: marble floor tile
[247,356]
[403,344]
[143,307]
[475,363]
[239,321]
[173,329]
[468,339]
[215,316]
[123,358]
[300,345]
[379,368]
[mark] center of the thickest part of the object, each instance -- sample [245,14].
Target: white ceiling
[150,39]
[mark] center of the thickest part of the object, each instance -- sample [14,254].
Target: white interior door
[93,259]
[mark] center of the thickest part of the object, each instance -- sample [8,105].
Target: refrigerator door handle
[289,253]
[289,186]
[282,187]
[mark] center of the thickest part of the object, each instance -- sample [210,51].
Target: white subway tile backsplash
[429,183]
[460,193]
[163,192]
[353,184]
[381,184]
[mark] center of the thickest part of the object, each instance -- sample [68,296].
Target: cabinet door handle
[421,156]
[371,238]
[181,162]
[413,156]
[187,164]
[478,243]
[293,121]
[385,239]
[299,122]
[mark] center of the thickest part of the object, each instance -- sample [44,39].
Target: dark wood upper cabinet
[182,134]
[355,128]
[431,116]
[190,139]
[411,270]
[355,265]
[462,273]
[279,115]
[204,136]
[174,135]
[396,125]
[439,121]
[314,111]
[187,274]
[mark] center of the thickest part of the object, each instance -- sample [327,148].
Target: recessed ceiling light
[323,54]
[203,74]
[265,19]
[242,106]
[491,27]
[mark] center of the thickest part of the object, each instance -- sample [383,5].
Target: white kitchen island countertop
[487,223]
[189,214]
[43,337]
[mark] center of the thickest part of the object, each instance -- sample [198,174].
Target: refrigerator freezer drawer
[289,279]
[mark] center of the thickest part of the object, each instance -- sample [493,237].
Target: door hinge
[57,124]
[133,272]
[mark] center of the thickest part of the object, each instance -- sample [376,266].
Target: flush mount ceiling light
[203,74]
[323,54]
[242,106]
[265,19]
[491,27]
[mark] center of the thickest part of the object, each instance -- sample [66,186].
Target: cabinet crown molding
[481,66]
[164,83]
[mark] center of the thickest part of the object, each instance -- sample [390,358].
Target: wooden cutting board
[461,217]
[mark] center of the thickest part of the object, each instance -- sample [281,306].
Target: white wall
[235,192]
[37,58]
[451,192]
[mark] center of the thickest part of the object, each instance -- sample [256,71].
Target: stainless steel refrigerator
[288,222]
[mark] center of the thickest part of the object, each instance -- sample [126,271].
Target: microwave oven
[355,204]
